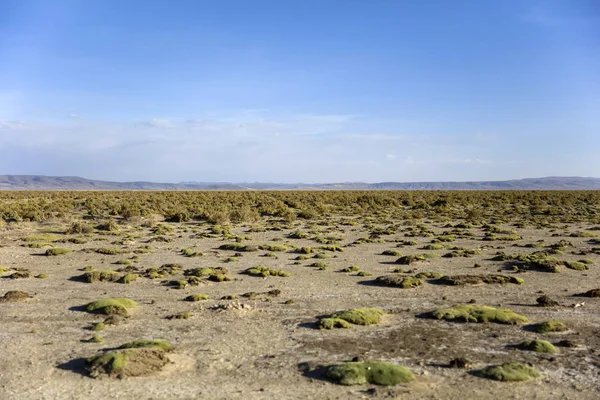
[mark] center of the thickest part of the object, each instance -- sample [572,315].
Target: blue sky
[300,90]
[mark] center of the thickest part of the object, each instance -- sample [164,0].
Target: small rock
[459,362]
[546,301]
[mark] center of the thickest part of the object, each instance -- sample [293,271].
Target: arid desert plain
[299,295]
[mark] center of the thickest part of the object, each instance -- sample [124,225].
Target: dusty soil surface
[263,348]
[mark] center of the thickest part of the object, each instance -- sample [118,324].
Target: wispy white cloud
[11,125]
[157,123]
[260,147]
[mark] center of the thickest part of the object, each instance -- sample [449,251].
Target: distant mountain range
[39,182]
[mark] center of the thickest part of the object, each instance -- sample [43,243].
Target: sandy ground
[263,348]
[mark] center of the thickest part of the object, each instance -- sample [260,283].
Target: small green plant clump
[434,246]
[374,372]
[320,265]
[265,272]
[42,237]
[100,276]
[36,245]
[144,358]
[539,346]
[476,313]
[404,282]
[355,316]
[238,247]
[352,268]
[95,339]
[13,296]
[407,260]
[461,280]
[332,247]
[462,253]
[118,306]
[205,271]
[576,265]
[298,234]
[144,343]
[428,275]
[218,277]
[181,315]
[333,323]
[508,372]
[550,326]
[99,326]
[197,297]
[78,227]
[20,273]
[322,255]
[179,284]
[57,251]
[273,247]
[128,278]
[108,226]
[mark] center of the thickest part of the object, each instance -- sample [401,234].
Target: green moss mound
[508,372]
[100,276]
[333,323]
[407,260]
[476,313]
[377,373]
[238,247]
[57,251]
[219,278]
[404,282]
[205,271]
[428,275]
[434,246]
[13,296]
[576,265]
[461,280]
[264,272]
[127,362]
[539,346]
[322,255]
[156,343]
[197,297]
[95,339]
[549,326]
[100,326]
[273,247]
[118,306]
[360,316]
